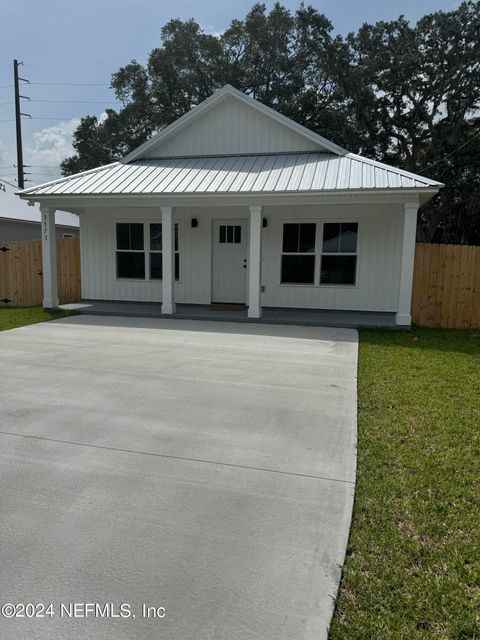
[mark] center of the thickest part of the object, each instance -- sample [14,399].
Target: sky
[85,41]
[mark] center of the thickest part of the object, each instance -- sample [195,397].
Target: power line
[70,62]
[58,119]
[79,101]
[34,166]
[55,118]
[71,84]
[70,101]
[47,64]
[462,146]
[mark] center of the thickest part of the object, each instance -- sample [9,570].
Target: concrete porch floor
[237,313]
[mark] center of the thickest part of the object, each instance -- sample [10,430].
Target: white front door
[229,261]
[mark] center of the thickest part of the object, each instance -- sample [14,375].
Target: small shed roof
[303,172]
[13,208]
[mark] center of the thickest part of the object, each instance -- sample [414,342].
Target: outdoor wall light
[264,223]
[194,223]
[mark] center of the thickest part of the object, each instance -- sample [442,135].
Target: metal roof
[13,208]
[302,172]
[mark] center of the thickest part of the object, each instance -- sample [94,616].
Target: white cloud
[210,30]
[50,146]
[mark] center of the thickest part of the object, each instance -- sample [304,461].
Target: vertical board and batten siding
[378,263]
[21,272]
[446,286]
[232,127]
[380,236]
[99,281]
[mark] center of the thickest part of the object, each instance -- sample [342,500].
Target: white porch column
[168,260]
[254,262]
[403,316]
[49,258]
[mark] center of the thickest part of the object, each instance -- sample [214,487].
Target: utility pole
[18,122]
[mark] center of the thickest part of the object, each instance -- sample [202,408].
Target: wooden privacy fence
[21,272]
[446,286]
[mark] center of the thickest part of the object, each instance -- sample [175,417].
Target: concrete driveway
[204,467]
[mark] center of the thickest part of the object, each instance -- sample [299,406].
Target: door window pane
[130,264]
[230,234]
[338,270]
[298,269]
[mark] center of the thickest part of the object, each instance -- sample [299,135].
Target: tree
[288,61]
[408,95]
[426,82]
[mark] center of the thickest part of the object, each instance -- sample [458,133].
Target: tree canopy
[404,94]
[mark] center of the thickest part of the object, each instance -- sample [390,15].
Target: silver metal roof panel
[251,173]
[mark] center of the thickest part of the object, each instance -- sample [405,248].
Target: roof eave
[422,193]
[64,179]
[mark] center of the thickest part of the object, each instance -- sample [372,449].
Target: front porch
[238,313]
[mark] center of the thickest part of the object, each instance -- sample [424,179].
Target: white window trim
[117,250]
[297,253]
[146,250]
[147,235]
[338,253]
[318,252]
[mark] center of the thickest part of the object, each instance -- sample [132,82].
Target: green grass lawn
[20,316]
[413,561]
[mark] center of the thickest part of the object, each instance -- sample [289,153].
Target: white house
[235,203]
[19,221]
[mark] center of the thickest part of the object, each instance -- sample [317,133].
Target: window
[298,253]
[156,267]
[130,251]
[339,253]
[230,234]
